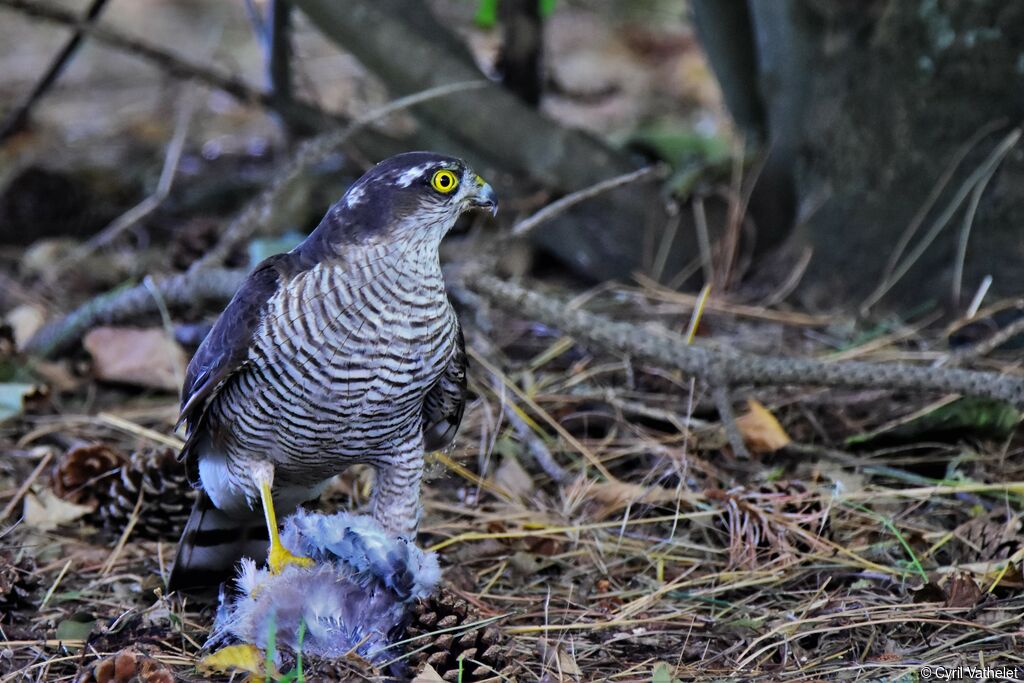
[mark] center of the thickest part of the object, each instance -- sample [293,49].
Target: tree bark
[869,105]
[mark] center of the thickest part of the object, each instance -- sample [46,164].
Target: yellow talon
[279,557]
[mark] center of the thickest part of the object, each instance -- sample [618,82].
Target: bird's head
[417,195]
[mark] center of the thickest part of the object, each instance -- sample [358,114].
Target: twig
[16,119]
[568,201]
[986,346]
[731,368]
[150,203]
[543,414]
[173,64]
[258,214]
[178,291]
[700,221]
[536,446]
[128,528]
[53,586]
[23,489]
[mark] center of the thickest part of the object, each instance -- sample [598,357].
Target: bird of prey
[344,350]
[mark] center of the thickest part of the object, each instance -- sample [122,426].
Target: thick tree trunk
[893,92]
[890,110]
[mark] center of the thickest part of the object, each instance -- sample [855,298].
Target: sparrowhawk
[344,350]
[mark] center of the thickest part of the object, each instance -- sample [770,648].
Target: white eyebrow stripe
[354,195]
[407,178]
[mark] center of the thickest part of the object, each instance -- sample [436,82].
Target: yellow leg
[279,556]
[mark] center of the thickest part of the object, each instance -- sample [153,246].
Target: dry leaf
[25,321]
[46,511]
[962,591]
[557,659]
[142,357]
[761,431]
[233,659]
[428,675]
[511,476]
[618,493]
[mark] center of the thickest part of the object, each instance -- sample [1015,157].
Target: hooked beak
[484,198]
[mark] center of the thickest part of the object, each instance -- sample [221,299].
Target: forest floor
[591,518]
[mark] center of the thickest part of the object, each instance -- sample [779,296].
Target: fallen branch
[731,368]
[213,285]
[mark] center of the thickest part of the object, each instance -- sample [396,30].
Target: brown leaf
[761,431]
[141,357]
[618,493]
[511,477]
[962,591]
[555,657]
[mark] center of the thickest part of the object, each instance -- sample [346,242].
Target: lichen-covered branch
[661,347]
[212,285]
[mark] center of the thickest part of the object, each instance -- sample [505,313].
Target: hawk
[344,350]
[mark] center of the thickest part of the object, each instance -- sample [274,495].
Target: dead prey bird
[344,350]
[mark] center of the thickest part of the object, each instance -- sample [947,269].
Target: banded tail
[212,544]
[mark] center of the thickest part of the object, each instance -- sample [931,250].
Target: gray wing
[446,400]
[225,350]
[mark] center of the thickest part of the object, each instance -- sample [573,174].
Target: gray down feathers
[355,597]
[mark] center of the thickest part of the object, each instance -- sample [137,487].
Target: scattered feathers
[354,600]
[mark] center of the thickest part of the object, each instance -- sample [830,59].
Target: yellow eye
[444,181]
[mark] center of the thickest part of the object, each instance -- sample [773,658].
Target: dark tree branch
[302,113]
[279,54]
[492,121]
[17,118]
[497,132]
[521,60]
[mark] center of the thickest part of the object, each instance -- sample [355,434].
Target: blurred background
[851,154]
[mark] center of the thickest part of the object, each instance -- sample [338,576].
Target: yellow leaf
[232,659]
[761,431]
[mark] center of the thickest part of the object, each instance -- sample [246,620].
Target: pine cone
[17,582]
[102,477]
[166,500]
[484,646]
[127,666]
[78,477]
[995,536]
